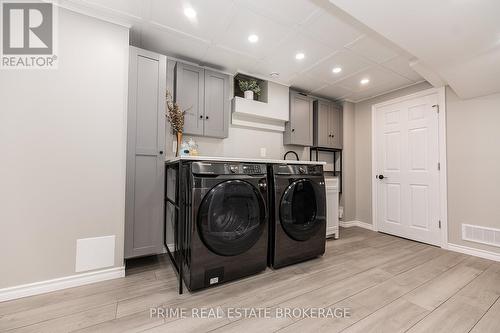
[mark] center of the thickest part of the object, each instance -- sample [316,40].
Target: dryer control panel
[223,168]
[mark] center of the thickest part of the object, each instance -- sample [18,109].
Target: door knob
[381,177]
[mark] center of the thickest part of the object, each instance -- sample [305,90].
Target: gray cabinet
[327,124]
[145,149]
[204,94]
[189,94]
[299,129]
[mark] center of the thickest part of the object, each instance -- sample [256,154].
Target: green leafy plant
[251,85]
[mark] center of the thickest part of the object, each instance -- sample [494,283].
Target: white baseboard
[42,287]
[354,223]
[474,252]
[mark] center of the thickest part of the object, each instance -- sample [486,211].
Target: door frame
[443,188]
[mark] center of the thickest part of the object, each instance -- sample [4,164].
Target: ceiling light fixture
[253,38]
[190,13]
[300,56]
[364,81]
[337,70]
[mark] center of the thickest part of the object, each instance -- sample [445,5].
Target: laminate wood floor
[388,284]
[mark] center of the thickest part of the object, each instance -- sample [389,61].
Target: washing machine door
[231,217]
[299,211]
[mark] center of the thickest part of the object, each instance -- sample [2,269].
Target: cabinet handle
[201,117]
[206,117]
[161,152]
[293,129]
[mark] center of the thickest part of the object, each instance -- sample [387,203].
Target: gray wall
[348,197]
[62,138]
[473,142]
[473,160]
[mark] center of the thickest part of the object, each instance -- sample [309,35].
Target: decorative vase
[248,94]
[179,141]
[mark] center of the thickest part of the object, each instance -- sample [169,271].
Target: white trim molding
[355,223]
[46,286]
[443,187]
[474,252]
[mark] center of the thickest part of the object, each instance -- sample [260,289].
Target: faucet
[291,151]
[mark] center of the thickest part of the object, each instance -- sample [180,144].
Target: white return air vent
[483,235]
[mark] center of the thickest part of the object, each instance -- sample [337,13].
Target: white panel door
[407,156]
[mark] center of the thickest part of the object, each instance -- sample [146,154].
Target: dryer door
[231,217]
[300,215]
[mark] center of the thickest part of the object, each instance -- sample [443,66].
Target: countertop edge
[237,159]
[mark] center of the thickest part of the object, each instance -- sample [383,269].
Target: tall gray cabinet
[327,124]
[299,129]
[145,153]
[205,96]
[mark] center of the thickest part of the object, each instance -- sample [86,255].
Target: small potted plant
[249,88]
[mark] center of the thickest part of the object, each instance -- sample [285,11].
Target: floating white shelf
[267,116]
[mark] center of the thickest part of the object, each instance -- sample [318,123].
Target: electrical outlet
[262,152]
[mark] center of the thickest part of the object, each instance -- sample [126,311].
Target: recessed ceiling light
[190,12]
[337,70]
[300,56]
[364,81]
[253,38]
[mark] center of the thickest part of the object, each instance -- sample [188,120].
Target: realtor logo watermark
[29,36]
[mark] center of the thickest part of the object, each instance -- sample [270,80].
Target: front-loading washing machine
[298,223]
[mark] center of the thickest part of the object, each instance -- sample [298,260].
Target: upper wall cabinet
[204,94]
[327,124]
[299,130]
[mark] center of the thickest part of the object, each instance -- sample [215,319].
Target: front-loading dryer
[226,236]
[298,224]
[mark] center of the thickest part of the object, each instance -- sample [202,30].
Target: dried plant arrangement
[175,115]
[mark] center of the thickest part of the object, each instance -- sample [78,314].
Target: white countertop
[240,159]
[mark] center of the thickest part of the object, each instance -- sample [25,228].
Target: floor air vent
[483,235]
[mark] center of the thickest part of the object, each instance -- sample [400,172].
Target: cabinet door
[301,118]
[335,124]
[189,93]
[217,104]
[323,124]
[145,159]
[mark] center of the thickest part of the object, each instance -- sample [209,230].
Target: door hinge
[439,166]
[439,222]
[436,106]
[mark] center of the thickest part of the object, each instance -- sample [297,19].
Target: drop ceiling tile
[330,30]
[333,91]
[307,83]
[171,13]
[227,60]
[286,12]
[348,61]
[381,80]
[283,59]
[372,50]
[401,66]
[165,41]
[245,23]
[131,8]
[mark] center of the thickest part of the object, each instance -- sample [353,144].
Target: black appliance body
[226,235]
[298,225]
